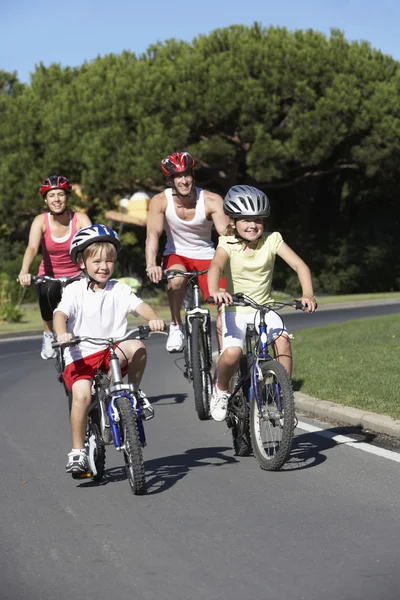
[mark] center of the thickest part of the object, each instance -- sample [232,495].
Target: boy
[97,306]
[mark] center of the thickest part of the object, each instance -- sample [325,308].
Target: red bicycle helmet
[176,163]
[55,182]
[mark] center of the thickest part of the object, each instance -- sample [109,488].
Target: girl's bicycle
[261,411]
[116,415]
[197,349]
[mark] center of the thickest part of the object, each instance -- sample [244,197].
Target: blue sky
[34,31]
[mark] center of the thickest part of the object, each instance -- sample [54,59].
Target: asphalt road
[212,526]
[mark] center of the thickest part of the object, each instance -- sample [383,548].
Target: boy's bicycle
[116,415]
[197,349]
[261,412]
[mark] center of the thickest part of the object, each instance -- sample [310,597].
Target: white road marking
[343,439]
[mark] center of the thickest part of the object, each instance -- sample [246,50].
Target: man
[187,214]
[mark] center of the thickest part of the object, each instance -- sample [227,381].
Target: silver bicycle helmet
[90,235]
[246,201]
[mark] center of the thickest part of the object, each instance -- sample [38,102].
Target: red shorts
[191,264]
[86,368]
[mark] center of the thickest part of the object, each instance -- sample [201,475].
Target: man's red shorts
[190,264]
[86,368]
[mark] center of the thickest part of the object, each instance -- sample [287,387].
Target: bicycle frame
[196,312]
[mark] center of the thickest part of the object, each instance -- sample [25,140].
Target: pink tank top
[55,251]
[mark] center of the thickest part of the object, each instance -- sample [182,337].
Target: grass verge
[354,363]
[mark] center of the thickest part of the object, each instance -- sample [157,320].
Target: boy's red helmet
[55,182]
[176,163]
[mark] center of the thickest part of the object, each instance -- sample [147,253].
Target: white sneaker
[47,350]
[218,404]
[148,410]
[176,339]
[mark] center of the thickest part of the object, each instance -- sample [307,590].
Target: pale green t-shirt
[250,274]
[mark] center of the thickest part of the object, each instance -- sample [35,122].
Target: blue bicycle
[116,415]
[261,412]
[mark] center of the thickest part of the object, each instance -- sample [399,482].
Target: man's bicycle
[116,415]
[197,349]
[261,411]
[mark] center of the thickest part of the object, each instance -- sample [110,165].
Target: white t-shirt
[96,314]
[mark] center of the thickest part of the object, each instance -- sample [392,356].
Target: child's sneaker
[176,339]
[147,409]
[219,404]
[47,350]
[77,461]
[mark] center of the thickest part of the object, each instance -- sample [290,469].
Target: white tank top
[188,238]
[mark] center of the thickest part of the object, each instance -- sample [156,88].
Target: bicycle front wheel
[131,446]
[200,370]
[238,417]
[272,428]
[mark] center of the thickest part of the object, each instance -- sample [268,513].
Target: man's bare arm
[214,206]
[155,227]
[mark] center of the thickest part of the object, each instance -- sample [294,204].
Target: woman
[53,232]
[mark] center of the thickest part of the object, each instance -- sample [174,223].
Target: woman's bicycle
[261,411]
[116,415]
[62,281]
[197,349]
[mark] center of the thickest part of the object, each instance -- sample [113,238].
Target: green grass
[31,320]
[354,363]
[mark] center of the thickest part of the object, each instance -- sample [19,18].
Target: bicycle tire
[238,417]
[60,365]
[272,431]
[131,446]
[200,370]
[100,449]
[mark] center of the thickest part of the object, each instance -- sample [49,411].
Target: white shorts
[234,325]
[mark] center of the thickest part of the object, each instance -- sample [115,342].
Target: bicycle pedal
[81,475]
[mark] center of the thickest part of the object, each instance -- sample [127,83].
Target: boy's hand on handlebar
[24,279]
[156,325]
[64,338]
[309,303]
[155,274]
[221,298]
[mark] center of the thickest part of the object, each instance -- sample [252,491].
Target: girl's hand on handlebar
[25,279]
[155,274]
[221,298]
[309,303]
[64,338]
[156,325]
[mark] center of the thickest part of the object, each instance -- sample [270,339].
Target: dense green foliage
[313,121]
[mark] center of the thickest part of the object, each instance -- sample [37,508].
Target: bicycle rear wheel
[238,417]
[60,366]
[272,428]
[96,449]
[200,370]
[131,446]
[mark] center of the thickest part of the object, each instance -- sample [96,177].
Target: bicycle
[261,411]
[197,348]
[116,415]
[59,360]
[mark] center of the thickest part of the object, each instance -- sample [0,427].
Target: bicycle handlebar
[142,332]
[171,273]
[241,299]
[64,279]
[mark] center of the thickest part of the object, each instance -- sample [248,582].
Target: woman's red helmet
[176,163]
[55,182]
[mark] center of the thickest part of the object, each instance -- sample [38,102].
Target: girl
[247,254]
